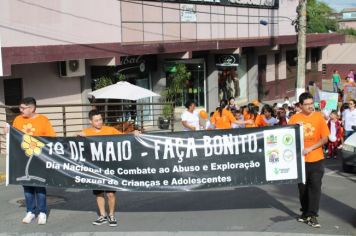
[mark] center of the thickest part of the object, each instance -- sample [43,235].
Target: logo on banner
[272,139]
[273,156]
[288,155]
[278,171]
[287,139]
[31,145]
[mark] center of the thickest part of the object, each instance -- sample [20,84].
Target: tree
[176,82]
[318,17]
[106,81]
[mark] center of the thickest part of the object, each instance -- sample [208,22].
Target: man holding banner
[316,135]
[98,129]
[33,124]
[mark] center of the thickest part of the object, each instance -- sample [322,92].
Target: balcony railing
[70,119]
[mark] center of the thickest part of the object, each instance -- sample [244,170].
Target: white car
[348,154]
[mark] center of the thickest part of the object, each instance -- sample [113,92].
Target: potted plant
[164,120]
[176,82]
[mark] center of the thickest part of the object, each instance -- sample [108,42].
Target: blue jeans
[33,195]
[335,87]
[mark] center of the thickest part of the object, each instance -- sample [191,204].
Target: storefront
[232,76]
[195,87]
[135,70]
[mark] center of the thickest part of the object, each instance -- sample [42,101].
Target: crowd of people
[324,131]
[330,130]
[338,84]
[229,115]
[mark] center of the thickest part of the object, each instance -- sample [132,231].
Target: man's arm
[185,124]
[320,143]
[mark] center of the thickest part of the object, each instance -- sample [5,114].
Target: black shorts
[98,192]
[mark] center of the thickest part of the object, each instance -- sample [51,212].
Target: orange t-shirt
[248,116]
[315,128]
[224,121]
[105,130]
[39,125]
[260,121]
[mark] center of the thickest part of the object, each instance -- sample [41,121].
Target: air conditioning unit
[72,68]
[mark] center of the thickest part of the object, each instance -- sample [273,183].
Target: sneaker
[112,221]
[42,219]
[28,218]
[101,220]
[313,222]
[302,218]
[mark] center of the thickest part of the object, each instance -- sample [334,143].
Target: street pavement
[263,210]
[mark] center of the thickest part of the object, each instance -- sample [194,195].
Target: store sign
[227,60]
[142,63]
[247,3]
[187,13]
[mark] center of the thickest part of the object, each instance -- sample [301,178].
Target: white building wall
[62,22]
[287,13]
[271,68]
[42,81]
[339,54]
[59,22]
[282,65]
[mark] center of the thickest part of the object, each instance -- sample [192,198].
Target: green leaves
[176,82]
[106,81]
[102,82]
[318,17]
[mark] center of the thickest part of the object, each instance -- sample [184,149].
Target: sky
[338,5]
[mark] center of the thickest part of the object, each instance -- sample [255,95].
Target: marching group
[227,115]
[323,130]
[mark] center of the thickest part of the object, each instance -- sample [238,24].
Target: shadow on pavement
[335,165]
[239,198]
[329,204]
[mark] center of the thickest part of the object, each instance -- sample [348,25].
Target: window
[13,91]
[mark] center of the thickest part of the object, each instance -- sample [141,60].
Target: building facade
[57,50]
[347,18]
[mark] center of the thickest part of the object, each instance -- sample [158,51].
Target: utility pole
[301,26]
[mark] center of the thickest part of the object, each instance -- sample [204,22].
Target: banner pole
[7,153]
[301,131]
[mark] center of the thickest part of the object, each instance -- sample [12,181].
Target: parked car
[348,154]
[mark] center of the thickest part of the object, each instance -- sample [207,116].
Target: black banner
[178,161]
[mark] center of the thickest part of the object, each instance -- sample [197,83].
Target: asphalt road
[263,210]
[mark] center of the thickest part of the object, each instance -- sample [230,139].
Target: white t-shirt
[209,125]
[349,117]
[271,121]
[236,126]
[192,119]
[332,135]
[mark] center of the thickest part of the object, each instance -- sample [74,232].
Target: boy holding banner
[316,134]
[31,123]
[98,129]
